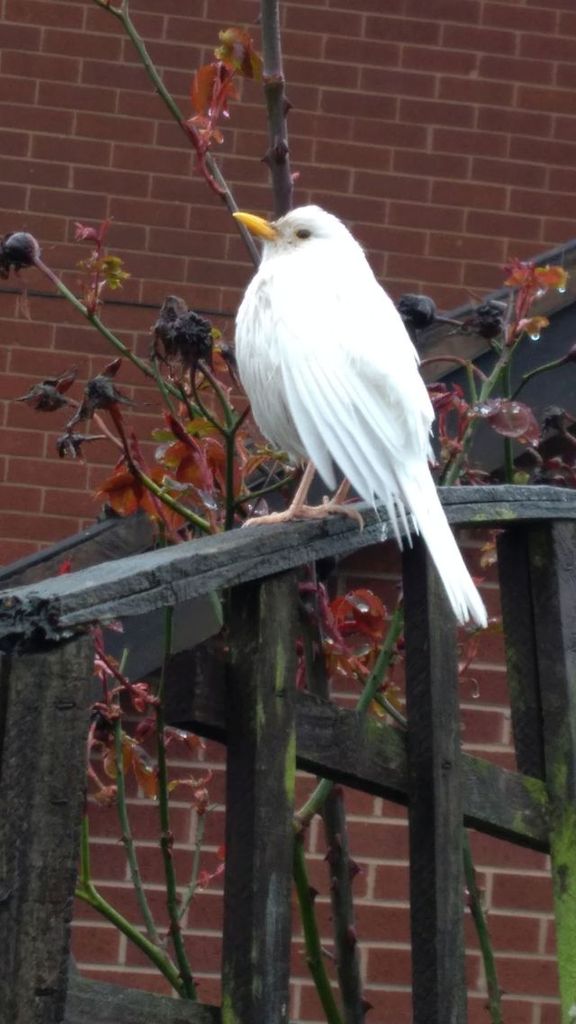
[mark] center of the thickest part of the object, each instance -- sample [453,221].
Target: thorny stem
[166,836]
[479,917]
[87,892]
[342,870]
[206,162]
[314,955]
[341,867]
[277,107]
[128,840]
[92,318]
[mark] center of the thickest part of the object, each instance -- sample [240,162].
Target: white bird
[332,376]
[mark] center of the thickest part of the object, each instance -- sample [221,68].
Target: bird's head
[303,229]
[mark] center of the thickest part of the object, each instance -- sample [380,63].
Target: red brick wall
[443,131]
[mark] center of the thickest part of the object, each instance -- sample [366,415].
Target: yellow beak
[257,225]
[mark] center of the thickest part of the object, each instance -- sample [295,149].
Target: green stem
[193,884]
[240,419]
[162,495]
[508,452]
[93,319]
[162,385]
[105,331]
[128,840]
[381,666]
[204,411]
[87,892]
[479,917]
[314,955]
[470,368]
[252,495]
[166,836]
[220,394]
[230,444]
[538,369]
[192,410]
[452,469]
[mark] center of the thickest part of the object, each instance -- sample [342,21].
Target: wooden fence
[43,724]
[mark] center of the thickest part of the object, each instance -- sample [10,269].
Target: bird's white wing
[350,375]
[353,389]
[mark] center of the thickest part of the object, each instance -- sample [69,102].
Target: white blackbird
[332,376]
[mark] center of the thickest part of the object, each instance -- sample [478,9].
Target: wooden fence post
[521,657]
[261,766]
[553,574]
[435,797]
[44,699]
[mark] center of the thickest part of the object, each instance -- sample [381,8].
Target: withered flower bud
[417,311]
[18,249]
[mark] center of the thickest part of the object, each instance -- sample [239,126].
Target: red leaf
[519,274]
[203,88]
[125,494]
[552,277]
[84,233]
[511,419]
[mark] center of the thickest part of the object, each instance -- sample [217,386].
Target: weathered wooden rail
[43,721]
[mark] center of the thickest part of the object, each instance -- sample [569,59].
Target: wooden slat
[522,664]
[435,800]
[103,541]
[131,586]
[43,727]
[366,754]
[553,572]
[260,779]
[97,1002]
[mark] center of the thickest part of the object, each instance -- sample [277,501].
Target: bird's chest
[259,359]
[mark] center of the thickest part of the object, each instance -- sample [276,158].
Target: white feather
[332,375]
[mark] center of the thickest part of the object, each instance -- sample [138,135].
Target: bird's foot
[332,506]
[328,507]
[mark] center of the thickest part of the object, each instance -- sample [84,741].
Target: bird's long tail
[421,497]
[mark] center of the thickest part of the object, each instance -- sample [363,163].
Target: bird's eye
[303,233]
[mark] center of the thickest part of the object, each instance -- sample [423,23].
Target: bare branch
[277,107]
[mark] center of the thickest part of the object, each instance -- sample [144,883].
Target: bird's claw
[332,506]
[328,507]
